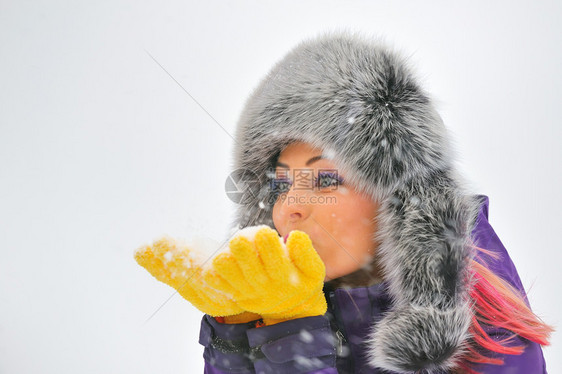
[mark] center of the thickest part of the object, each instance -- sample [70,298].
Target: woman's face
[339,220]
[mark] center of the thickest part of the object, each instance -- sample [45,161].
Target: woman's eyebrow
[313,159]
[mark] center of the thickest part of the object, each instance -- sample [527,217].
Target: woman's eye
[281,185]
[328,180]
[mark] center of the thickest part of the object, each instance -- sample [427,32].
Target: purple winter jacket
[334,343]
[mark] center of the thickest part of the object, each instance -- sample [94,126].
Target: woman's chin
[333,275]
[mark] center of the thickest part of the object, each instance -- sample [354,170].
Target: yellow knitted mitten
[265,277]
[173,263]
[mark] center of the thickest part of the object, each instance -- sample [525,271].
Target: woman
[348,149]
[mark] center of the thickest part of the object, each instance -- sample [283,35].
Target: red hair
[497,303]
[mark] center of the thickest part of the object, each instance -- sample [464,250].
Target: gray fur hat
[358,100]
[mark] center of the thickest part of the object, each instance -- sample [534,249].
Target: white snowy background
[101,151]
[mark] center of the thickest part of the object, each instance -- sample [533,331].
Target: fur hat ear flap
[425,250]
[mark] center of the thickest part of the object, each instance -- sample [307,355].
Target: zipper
[344,362]
[341,341]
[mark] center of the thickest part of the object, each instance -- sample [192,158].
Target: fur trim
[359,101]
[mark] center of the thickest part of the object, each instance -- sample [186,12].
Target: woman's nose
[295,205]
[295,216]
